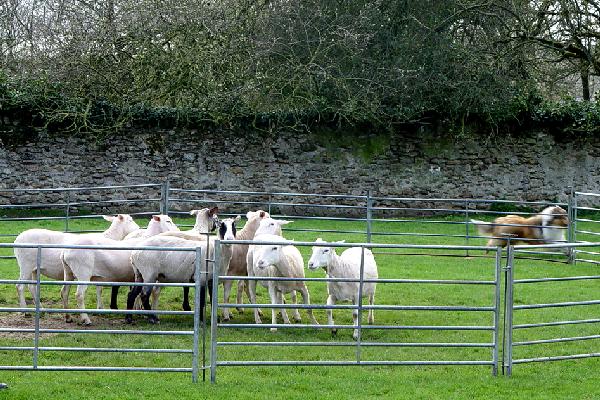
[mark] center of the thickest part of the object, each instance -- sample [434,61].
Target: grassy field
[572,379]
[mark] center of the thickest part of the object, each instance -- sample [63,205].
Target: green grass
[573,379]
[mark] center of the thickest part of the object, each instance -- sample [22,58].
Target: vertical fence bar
[360,304]
[572,234]
[36,337]
[467,226]
[214,312]
[508,310]
[497,300]
[571,229]
[269,203]
[203,303]
[67,210]
[197,284]
[369,215]
[164,197]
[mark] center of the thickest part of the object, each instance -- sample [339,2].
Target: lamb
[151,266]
[279,260]
[167,224]
[207,221]
[100,265]
[259,222]
[346,265]
[51,265]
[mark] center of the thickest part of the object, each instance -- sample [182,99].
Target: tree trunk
[585,82]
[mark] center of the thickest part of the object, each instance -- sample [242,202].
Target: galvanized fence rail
[72,204]
[198,333]
[376,217]
[513,304]
[360,343]
[368,215]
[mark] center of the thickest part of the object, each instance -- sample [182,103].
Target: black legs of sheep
[115,292]
[145,292]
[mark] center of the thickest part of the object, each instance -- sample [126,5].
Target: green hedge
[27,106]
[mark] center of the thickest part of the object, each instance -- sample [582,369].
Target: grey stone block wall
[418,164]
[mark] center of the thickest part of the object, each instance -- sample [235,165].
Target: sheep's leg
[252,289]
[114,292]
[99,302]
[226,293]
[21,291]
[246,288]
[132,296]
[355,320]
[155,295]
[241,286]
[186,299]
[371,311]
[331,302]
[306,301]
[146,292]
[274,297]
[284,315]
[32,287]
[64,293]
[80,295]
[295,312]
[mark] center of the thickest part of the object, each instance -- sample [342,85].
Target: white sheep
[258,222]
[152,266]
[166,224]
[51,265]
[346,265]
[282,261]
[101,264]
[207,221]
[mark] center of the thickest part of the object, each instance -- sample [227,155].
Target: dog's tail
[484,228]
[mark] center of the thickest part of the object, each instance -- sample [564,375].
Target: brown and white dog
[543,228]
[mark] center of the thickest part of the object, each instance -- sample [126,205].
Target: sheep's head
[206,218]
[161,223]
[227,228]
[270,226]
[266,255]
[321,255]
[123,223]
[250,215]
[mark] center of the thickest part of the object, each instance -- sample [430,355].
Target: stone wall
[410,164]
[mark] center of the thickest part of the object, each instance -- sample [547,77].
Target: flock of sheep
[151,266]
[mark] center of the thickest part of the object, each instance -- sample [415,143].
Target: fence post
[164,197]
[572,235]
[36,337]
[369,215]
[269,203]
[67,210]
[197,284]
[498,281]
[360,305]
[508,312]
[467,225]
[214,312]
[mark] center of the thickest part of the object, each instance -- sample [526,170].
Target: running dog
[543,228]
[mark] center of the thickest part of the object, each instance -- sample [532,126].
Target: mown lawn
[573,379]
